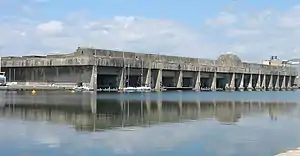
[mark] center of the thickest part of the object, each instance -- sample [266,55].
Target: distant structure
[295,63]
[275,61]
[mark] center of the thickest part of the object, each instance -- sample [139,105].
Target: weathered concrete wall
[119,62]
[49,74]
[46,61]
[109,58]
[297,81]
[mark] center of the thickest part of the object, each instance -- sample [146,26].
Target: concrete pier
[242,86]
[263,84]
[98,68]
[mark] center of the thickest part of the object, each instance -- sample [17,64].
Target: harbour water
[160,124]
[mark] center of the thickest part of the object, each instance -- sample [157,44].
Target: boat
[2,79]
[144,89]
[81,88]
[130,89]
[136,89]
[227,87]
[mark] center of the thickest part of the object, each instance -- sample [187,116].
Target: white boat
[81,88]
[2,79]
[136,89]
[129,89]
[144,89]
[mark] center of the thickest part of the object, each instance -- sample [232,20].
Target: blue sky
[237,26]
[190,12]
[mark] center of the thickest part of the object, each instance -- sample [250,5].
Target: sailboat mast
[125,72]
[142,73]
[128,76]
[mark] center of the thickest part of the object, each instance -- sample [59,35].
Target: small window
[81,52]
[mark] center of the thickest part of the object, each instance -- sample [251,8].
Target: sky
[252,29]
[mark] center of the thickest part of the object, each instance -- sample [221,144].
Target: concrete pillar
[289,85]
[249,87]
[241,87]
[198,82]
[232,83]
[149,78]
[277,87]
[94,77]
[214,82]
[32,71]
[57,71]
[43,73]
[295,82]
[263,84]
[283,86]
[121,79]
[14,75]
[179,79]
[258,83]
[270,86]
[158,80]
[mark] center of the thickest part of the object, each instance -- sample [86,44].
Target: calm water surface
[160,124]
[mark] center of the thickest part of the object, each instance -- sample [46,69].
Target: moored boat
[136,89]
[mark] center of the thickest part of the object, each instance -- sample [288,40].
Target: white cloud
[50,28]
[257,36]
[223,19]
[290,19]
[253,36]
[242,32]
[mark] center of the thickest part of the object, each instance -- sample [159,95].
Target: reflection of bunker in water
[227,113]
[114,113]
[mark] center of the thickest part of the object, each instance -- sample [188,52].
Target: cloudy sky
[252,29]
